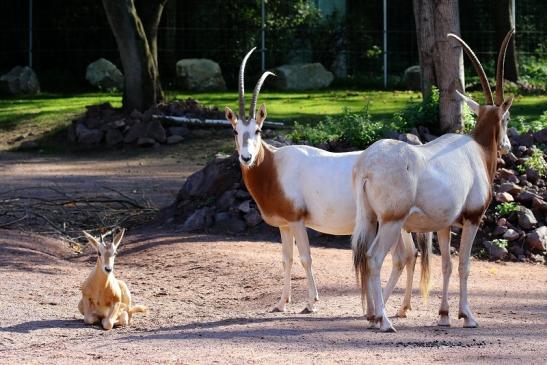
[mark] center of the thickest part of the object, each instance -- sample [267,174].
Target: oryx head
[247,129]
[492,113]
[106,251]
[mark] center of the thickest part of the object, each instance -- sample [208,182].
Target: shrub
[356,129]
[523,126]
[534,162]
[501,243]
[506,209]
[425,114]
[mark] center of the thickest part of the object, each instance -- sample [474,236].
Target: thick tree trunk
[504,22]
[441,61]
[141,78]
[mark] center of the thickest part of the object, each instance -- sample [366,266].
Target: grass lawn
[54,111]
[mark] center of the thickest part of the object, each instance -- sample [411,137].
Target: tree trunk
[504,22]
[441,61]
[142,87]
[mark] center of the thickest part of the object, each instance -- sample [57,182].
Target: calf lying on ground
[104,298]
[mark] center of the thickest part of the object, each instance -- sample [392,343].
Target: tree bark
[142,88]
[504,22]
[441,61]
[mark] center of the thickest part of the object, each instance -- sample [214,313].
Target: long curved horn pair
[252,108]
[480,71]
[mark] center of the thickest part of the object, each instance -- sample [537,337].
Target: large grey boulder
[104,75]
[413,78]
[20,80]
[199,74]
[306,76]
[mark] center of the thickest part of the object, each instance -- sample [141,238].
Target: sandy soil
[210,295]
[209,298]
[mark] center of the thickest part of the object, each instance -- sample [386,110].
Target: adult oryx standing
[429,188]
[300,186]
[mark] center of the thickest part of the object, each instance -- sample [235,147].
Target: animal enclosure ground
[209,298]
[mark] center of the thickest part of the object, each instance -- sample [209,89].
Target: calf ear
[118,237]
[230,115]
[261,116]
[92,240]
[472,104]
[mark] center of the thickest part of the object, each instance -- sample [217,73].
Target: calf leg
[287,242]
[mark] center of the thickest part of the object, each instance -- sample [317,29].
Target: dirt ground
[210,296]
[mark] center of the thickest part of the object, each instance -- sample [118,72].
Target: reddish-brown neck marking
[262,181]
[486,133]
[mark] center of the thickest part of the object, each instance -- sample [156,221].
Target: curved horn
[478,67]
[242,86]
[500,66]
[252,109]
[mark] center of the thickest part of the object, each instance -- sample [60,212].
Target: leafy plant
[534,162]
[426,113]
[523,126]
[501,243]
[356,129]
[506,209]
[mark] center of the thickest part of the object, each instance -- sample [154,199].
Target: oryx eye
[99,253]
[235,132]
[258,131]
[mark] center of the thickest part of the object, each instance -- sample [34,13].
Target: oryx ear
[92,240]
[118,238]
[230,116]
[472,104]
[261,115]
[505,106]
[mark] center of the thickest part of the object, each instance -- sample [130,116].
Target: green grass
[49,110]
[314,106]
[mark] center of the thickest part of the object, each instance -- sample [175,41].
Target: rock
[243,194]
[526,139]
[499,231]
[505,173]
[137,131]
[155,130]
[541,136]
[245,206]
[495,252]
[232,224]
[510,187]
[199,220]
[538,258]
[511,157]
[113,137]
[146,142]
[87,136]
[306,76]
[537,239]
[504,197]
[29,145]
[539,205]
[174,139]
[178,131]
[104,75]
[526,218]
[214,179]
[226,199]
[20,81]
[253,218]
[199,74]
[512,132]
[511,235]
[413,78]
[135,114]
[409,138]
[526,197]
[532,176]
[502,222]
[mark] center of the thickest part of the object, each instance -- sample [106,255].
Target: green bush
[356,129]
[506,209]
[501,243]
[425,114]
[534,162]
[522,125]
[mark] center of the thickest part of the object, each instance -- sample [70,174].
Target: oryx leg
[410,264]
[86,309]
[388,236]
[111,317]
[468,236]
[301,237]
[444,245]
[287,242]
